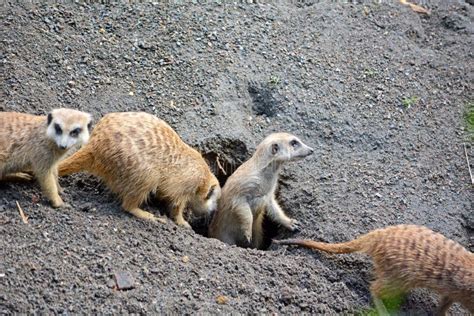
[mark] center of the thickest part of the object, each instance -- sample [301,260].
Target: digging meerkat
[407,257]
[137,154]
[249,192]
[34,143]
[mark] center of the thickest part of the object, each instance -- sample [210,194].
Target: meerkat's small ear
[50,118]
[211,191]
[275,148]
[89,125]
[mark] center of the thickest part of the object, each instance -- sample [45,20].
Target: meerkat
[137,154]
[249,193]
[407,257]
[32,143]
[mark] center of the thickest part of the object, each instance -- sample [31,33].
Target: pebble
[124,280]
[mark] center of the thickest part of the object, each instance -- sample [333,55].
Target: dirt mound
[377,89]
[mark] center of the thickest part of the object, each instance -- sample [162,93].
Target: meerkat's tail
[359,244]
[75,163]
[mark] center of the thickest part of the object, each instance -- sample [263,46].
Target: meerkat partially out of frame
[249,193]
[407,257]
[137,154]
[31,143]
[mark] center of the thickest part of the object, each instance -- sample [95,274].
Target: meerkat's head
[68,127]
[281,147]
[208,193]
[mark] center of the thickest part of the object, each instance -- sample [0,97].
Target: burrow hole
[224,156]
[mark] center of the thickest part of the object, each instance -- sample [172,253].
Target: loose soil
[378,90]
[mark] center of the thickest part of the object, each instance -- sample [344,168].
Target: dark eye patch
[58,129]
[275,148]
[294,143]
[75,132]
[211,191]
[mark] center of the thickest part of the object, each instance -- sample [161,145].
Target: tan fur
[407,257]
[29,143]
[249,192]
[137,154]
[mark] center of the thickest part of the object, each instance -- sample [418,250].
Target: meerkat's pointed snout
[309,150]
[301,150]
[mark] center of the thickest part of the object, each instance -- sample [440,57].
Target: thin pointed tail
[345,247]
[75,163]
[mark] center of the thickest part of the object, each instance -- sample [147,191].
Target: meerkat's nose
[62,147]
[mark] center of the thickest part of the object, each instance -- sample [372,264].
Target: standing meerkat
[137,154]
[407,257]
[249,192]
[31,143]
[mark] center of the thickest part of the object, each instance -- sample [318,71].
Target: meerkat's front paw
[60,189]
[247,239]
[160,220]
[57,202]
[183,223]
[294,225]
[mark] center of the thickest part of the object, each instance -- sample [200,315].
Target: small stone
[35,199]
[124,280]
[222,300]
[185,259]
[131,93]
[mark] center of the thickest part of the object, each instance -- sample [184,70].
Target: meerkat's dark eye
[58,129]
[294,143]
[75,132]
[211,191]
[275,148]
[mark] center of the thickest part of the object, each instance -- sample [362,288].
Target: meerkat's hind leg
[443,306]
[18,177]
[388,289]
[380,307]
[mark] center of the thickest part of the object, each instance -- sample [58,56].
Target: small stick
[22,214]
[220,166]
[415,7]
[468,165]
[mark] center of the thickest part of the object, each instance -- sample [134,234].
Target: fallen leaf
[221,299]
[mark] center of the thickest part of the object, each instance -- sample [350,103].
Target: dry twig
[220,166]
[468,165]
[22,214]
[415,7]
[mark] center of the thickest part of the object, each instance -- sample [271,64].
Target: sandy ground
[378,90]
